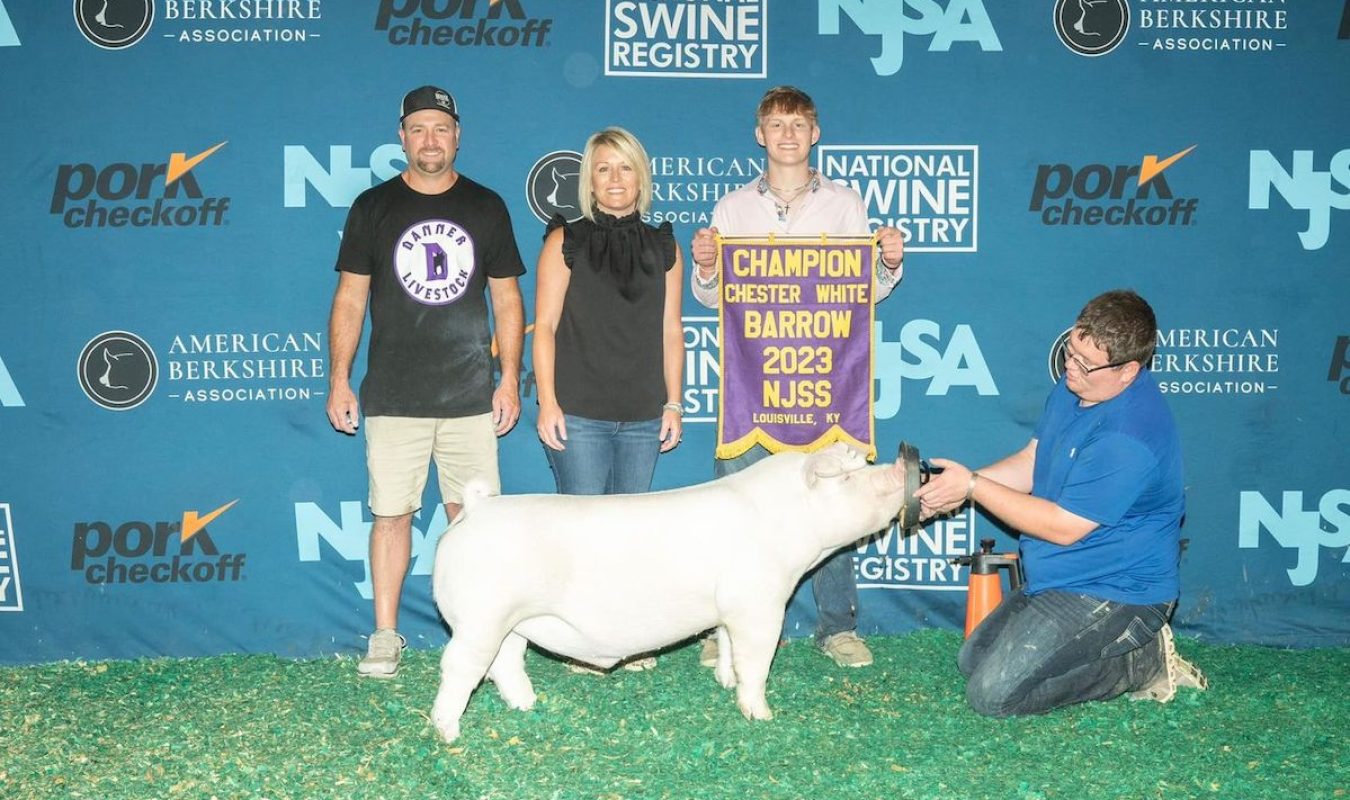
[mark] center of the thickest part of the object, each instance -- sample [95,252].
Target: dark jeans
[605,457]
[833,583]
[1053,649]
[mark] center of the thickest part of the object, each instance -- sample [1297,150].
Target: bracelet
[970,488]
[702,284]
[675,408]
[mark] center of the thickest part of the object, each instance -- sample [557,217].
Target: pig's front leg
[508,673]
[465,660]
[753,644]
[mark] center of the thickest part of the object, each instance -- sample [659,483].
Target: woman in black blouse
[608,341]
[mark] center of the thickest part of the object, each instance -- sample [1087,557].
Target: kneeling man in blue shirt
[1098,497]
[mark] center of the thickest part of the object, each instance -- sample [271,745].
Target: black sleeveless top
[608,350]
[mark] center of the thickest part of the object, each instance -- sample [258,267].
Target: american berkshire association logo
[117,370]
[114,24]
[551,186]
[1092,27]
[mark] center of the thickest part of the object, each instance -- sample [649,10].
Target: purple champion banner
[796,322]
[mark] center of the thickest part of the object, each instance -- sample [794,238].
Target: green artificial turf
[1274,724]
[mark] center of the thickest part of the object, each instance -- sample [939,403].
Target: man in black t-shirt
[423,249]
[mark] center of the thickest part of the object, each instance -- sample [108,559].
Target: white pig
[600,578]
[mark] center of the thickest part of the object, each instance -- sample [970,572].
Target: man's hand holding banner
[796,320]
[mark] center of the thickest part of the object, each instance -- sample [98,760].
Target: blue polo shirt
[1118,464]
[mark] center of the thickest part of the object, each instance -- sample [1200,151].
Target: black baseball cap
[428,97]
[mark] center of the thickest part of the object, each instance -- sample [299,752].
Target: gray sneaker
[1176,672]
[847,650]
[382,655]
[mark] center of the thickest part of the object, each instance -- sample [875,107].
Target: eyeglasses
[1069,356]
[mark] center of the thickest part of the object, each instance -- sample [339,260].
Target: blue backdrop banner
[181,171]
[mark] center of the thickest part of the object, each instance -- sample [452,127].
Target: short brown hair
[1121,323]
[786,100]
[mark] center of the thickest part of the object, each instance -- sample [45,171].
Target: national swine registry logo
[114,24]
[117,370]
[686,38]
[433,261]
[921,560]
[1092,27]
[11,591]
[551,186]
[929,192]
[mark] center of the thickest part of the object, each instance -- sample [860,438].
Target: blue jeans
[1040,652]
[833,583]
[606,457]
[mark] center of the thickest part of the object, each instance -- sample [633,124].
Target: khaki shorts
[399,451]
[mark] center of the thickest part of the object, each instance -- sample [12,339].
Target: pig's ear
[822,465]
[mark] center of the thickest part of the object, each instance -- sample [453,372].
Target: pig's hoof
[756,712]
[726,677]
[449,730]
[447,726]
[521,702]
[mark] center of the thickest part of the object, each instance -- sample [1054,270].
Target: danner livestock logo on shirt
[433,262]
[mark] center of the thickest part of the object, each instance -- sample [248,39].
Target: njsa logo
[348,538]
[1303,187]
[892,20]
[339,181]
[1294,527]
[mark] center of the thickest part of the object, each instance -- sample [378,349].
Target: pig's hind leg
[508,673]
[726,675]
[463,664]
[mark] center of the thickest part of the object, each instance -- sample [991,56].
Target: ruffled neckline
[621,247]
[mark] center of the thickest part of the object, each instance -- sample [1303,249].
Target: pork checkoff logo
[180,550]
[461,23]
[153,194]
[686,38]
[1115,195]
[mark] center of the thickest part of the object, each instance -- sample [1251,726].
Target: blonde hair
[631,151]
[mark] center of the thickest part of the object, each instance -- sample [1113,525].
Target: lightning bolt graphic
[1151,167]
[179,163]
[193,523]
